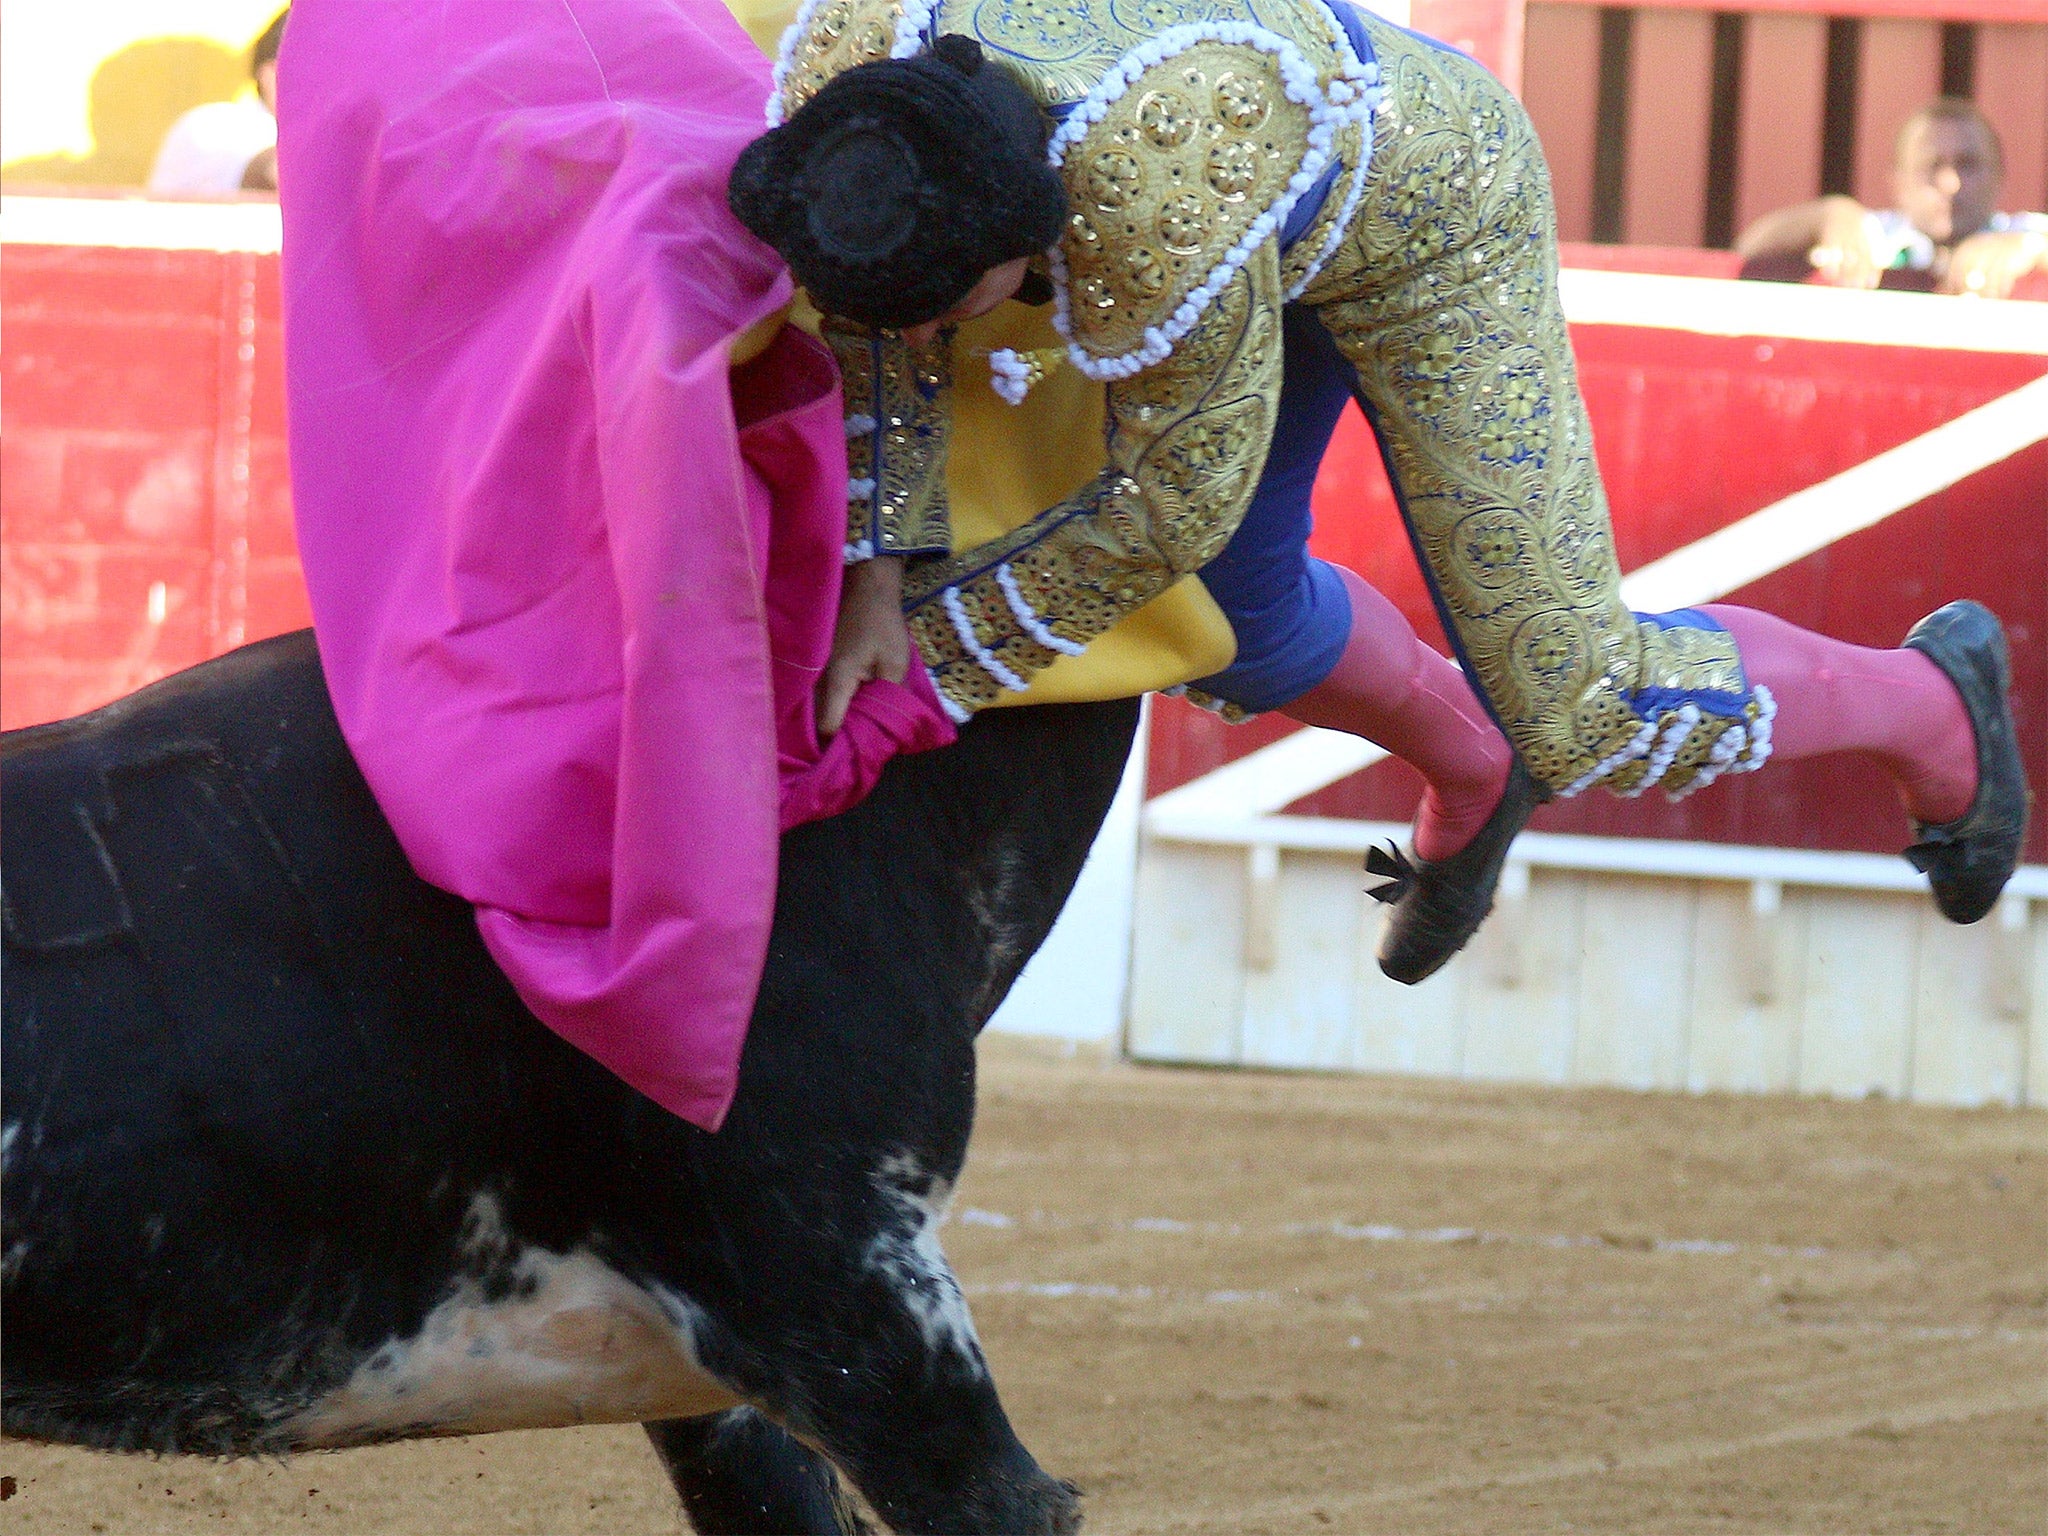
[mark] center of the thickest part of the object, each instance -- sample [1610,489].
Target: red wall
[144,444]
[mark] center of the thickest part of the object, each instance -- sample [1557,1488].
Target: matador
[1247,213]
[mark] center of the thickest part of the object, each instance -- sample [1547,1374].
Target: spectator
[1944,228]
[225,147]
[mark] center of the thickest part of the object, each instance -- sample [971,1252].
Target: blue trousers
[1290,611]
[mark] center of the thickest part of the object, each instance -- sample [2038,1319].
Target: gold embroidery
[1187,441]
[903,397]
[1185,162]
[1444,295]
[841,35]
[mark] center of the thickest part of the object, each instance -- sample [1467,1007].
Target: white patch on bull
[572,1342]
[907,1254]
[993,902]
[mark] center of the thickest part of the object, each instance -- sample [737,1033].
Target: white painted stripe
[1713,306]
[1787,531]
[1264,781]
[1348,1231]
[136,223]
[1806,521]
[1602,855]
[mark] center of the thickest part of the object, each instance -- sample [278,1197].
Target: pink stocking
[1897,706]
[1392,689]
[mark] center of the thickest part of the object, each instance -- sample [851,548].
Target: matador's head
[903,186]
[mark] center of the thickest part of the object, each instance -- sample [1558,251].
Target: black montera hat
[892,190]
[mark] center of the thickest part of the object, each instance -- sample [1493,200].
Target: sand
[1234,1302]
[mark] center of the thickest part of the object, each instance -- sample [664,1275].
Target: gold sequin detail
[1444,295]
[841,35]
[1188,440]
[906,398]
[1150,173]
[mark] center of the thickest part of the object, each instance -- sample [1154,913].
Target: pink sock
[1392,689]
[1895,706]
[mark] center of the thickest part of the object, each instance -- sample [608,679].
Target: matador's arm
[897,433]
[1187,439]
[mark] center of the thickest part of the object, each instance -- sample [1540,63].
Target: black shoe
[1439,905]
[1967,861]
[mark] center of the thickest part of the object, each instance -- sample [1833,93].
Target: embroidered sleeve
[1445,298]
[1180,163]
[1187,439]
[896,436]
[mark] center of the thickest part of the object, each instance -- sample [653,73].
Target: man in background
[224,147]
[1944,231]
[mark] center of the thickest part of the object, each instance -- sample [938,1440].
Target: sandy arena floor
[1234,1303]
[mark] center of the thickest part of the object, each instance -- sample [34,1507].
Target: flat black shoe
[1967,861]
[1439,905]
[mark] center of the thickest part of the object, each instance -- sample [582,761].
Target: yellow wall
[88,87]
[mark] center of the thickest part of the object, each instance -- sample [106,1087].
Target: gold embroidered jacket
[1188,130]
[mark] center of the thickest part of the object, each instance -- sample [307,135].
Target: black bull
[288,1165]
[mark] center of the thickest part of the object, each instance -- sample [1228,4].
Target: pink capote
[572,601]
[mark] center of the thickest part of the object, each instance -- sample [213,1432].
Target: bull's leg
[872,1357]
[740,1475]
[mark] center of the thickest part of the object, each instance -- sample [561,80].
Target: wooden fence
[1674,122]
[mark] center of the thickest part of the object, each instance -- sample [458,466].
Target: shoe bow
[1396,872]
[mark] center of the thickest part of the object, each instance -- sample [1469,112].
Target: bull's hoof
[1035,1504]
[1968,861]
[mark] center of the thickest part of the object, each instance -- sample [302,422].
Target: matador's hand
[871,640]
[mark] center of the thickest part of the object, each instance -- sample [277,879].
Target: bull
[288,1166]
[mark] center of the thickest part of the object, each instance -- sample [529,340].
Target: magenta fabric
[573,578]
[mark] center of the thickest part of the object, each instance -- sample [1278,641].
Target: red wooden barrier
[147,514]
[1627,97]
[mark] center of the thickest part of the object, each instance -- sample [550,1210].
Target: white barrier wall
[1075,986]
[1636,963]
[1753,970]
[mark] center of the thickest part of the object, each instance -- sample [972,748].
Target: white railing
[139,223]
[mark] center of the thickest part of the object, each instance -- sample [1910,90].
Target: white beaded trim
[859,425]
[859,550]
[1677,726]
[860,489]
[785,56]
[991,663]
[1009,375]
[1327,113]
[959,714]
[1638,746]
[1030,621]
[1759,732]
[1720,757]
[1740,749]
[1361,79]
[910,25]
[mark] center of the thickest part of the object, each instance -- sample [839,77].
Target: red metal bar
[1784,88]
[1671,87]
[1560,89]
[1901,10]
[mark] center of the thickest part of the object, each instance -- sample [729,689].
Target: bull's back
[233,1016]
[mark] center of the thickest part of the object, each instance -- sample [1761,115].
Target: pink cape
[573,578]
